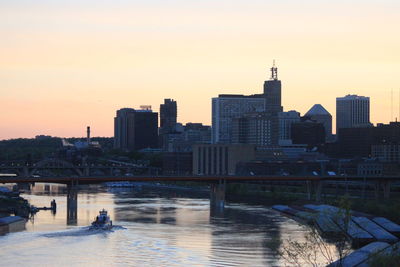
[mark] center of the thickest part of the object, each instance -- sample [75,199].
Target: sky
[68,64]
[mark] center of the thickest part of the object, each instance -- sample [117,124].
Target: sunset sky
[67,64]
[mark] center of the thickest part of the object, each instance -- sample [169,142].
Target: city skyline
[84,62]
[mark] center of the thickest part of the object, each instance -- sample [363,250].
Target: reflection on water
[154,228]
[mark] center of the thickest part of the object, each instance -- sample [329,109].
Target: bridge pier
[72,204]
[25,171]
[217,196]
[308,186]
[318,190]
[86,171]
[314,187]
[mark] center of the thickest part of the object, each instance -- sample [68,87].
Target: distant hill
[32,149]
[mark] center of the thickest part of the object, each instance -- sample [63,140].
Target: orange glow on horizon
[68,65]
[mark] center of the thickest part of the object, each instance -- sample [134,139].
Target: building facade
[386,152]
[319,114]
[308,132]
[358,142]
[220,159]
[225,108]
[135,129]
[168,115]
[352,111]
[273,92]
[286,119]
[257,128]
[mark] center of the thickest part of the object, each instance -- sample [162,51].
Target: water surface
[155,227]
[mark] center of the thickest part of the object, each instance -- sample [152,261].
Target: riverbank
[270,195]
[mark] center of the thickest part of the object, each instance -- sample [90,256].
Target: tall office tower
[272,92]
[135,129]
[227,107]
[319,114]
[286,119]
[256,128]
[168,114]
[352,111]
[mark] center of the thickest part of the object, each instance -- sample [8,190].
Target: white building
[352,111]
[227,107]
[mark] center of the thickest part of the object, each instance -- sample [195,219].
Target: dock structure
[358,235]
[323,223]
[388,225]
[374,234]
[375,230]
[11,224]
[361,255]
[327,226]
[303,215]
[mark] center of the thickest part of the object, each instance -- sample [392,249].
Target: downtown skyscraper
[352,111]
[251,119]
[135,129]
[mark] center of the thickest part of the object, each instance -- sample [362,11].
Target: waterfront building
[135,129]
[225,108]
[220,159]
[319,114]
[352,111]
[286,119]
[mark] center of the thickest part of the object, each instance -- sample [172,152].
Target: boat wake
[84,231]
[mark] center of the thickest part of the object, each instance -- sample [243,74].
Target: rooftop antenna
[274,71]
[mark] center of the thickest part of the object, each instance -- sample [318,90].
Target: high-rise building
[319,114]
[135,129]
[286,119]
[257,128]
[227,107]
[272,92]
[352,111]
[168,114]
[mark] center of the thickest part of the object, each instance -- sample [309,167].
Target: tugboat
[102,221]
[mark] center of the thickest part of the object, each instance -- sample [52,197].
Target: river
[154,227]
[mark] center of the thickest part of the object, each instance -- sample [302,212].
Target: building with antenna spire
[251,119]
[273,92]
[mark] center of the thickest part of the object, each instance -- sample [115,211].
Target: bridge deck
[102,179]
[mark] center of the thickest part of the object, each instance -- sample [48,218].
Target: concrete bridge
[54,166]
[314,184]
